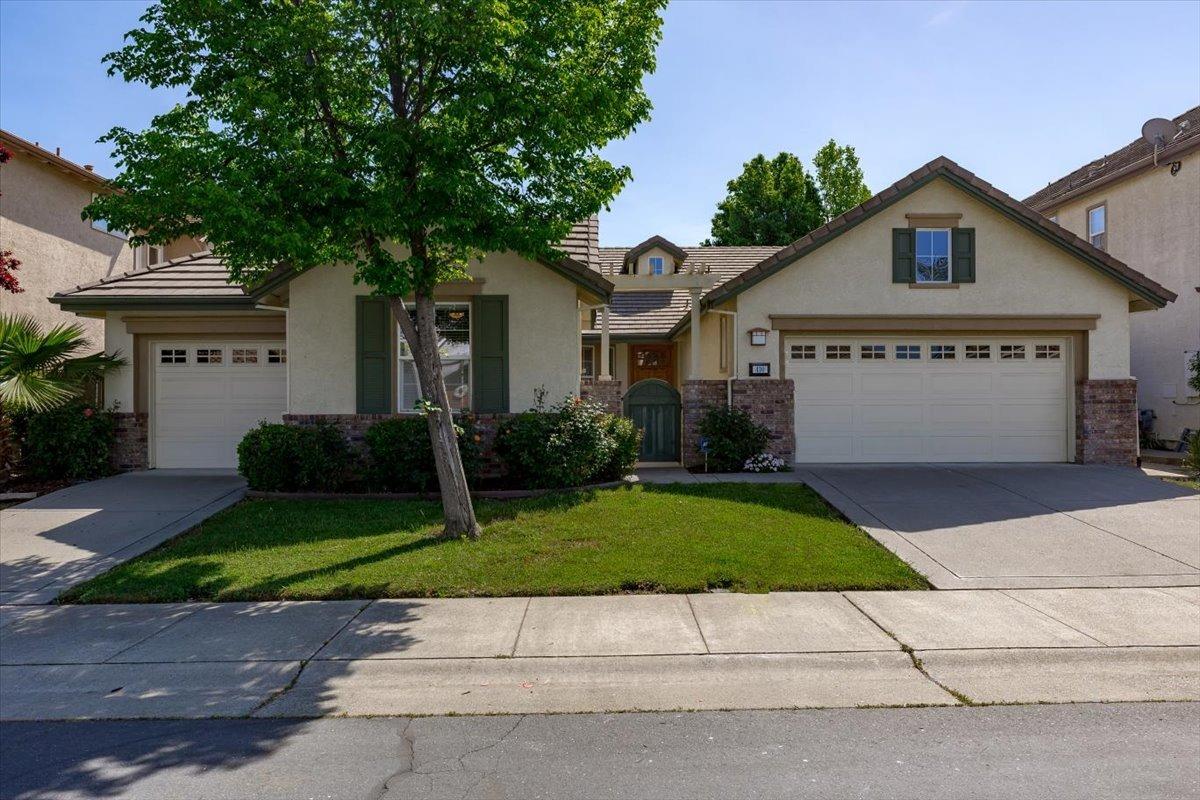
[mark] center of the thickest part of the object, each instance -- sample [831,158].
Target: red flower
[87,412]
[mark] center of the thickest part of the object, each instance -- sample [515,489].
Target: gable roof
[656,241]
[1132,158]
[654,314]
[943,168]
[202,279]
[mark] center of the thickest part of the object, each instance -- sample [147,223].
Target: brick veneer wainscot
[1106,430]
[697,397]
[770,403]
[354,428]
[608,394]
[131,441]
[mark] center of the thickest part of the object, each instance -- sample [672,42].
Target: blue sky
[1019,93]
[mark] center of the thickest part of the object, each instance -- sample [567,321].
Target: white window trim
[656,269]
[141,256]
[949,255]
[400,344]
[1103,232]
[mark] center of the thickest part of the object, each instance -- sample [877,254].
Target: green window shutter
[489,353]
[373,355]
[904,258]
[964,255]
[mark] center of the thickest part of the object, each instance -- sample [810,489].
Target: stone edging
[493,494]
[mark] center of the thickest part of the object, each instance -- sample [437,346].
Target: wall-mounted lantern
[758,336]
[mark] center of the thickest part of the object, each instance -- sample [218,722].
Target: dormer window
[656,265]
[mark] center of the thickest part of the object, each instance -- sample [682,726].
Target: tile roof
[1130,158]
[968,181]
[199,276]
[55,159]
[583,242]
[656,313]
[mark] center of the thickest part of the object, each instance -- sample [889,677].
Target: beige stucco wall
[1017,273]
[710,350]
[40,224]
[1153,225]
[643,262]
[543,344]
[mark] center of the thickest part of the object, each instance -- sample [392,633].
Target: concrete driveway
[60,539]
[1023,525]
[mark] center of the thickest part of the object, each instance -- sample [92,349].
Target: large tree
[401,136]
[840,178]
[776,202]
[771,202]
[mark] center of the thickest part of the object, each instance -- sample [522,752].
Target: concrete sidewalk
[609,653]
[55,541]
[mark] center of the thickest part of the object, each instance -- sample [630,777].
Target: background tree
[776,202]
[840,178]
[400,136]
[771,203]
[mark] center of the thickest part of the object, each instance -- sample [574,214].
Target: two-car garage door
[920,398]
[207,394]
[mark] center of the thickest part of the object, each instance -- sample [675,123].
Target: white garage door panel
[924,409]
[208,394]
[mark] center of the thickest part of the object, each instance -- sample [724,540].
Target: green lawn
[1185,483]
[665,538]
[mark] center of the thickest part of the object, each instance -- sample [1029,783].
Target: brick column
[131,441]
[770,403]
[1106,430]
[696,398]
[607,393]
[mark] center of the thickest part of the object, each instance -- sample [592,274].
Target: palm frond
[25,391]
[41,370]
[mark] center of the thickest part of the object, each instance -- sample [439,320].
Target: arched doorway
[654,407]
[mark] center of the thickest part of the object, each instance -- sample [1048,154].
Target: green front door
[653,405]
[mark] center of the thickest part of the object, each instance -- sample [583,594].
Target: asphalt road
[1072,751]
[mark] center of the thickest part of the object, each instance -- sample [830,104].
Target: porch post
[605,367]
[694,372]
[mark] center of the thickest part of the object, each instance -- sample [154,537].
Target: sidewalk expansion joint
[699,629]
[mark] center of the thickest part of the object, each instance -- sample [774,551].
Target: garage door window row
[215,356]
[917,352]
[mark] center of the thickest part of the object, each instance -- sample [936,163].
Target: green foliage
[41,370]
[1191,461]
[319,132]
[840,178]
[571,444]
[771,203]
[1194,369]
[733,436]
[400,456]
[291,458]
[776,202]
[70,442]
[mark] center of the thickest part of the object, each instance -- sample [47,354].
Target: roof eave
[92,303]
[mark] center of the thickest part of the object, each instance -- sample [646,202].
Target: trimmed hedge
[290,458]
[400,456]
[72,442]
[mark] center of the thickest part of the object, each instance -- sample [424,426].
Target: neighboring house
[939,321]
[1144,209]
[210,360]
[41,197]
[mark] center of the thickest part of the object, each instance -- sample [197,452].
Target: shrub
[400,455]
[732,437]
[71,442]
[571,444]
[1191,462]
[288,458]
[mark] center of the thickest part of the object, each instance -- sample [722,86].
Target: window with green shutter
[903,255]
[489,353]
[373,355]
[964,255]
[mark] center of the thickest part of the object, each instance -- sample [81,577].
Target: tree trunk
[421,335]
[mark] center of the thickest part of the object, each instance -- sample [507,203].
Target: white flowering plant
[765,462]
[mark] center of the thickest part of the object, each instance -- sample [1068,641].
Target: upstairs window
[933,255]
[148,255]
[1097,219]
[656,265]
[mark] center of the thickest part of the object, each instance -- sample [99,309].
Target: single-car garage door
[912,399]
[207,394]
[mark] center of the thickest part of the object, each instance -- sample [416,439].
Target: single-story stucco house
[941,320]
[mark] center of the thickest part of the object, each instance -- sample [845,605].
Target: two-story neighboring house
[1144,209]
[42,196]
